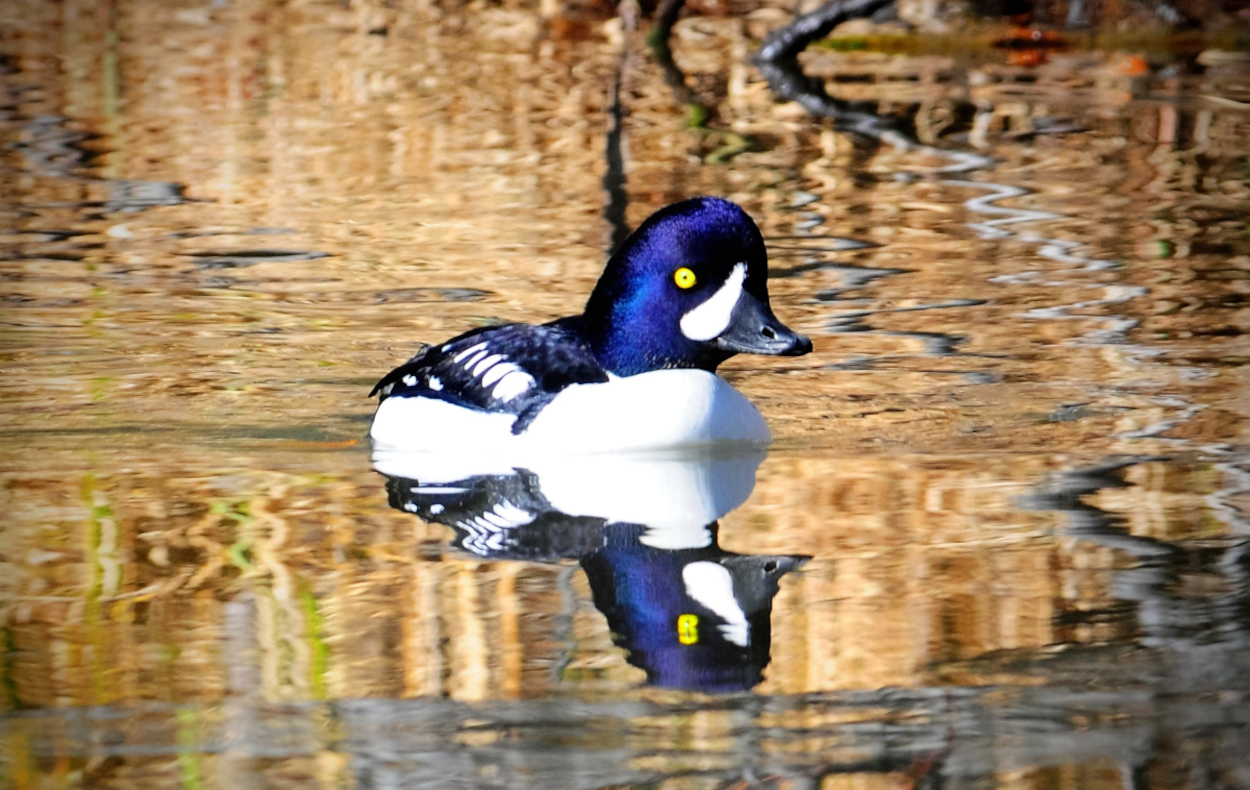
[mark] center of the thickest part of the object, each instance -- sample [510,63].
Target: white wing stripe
[511,385]
[485,364]
[468,351]
[471,361]
[498,372]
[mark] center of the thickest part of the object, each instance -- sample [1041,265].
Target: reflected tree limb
[1170,615]
[697,114]
[614,142]
[787,42]
[777,59]
[614,176]
[665,17]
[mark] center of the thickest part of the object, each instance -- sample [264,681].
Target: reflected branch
[614,142]
[786,43]
[777,59]
[697,113]
[614,177]
[1170,615]
[665,18]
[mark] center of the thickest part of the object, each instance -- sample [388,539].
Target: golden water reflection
[916,564]
[1016,459]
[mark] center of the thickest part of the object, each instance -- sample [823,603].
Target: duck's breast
[662,408]
[656,410]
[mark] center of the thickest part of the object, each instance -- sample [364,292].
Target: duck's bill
[753,329]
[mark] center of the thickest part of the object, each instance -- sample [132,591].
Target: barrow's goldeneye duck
[634,371]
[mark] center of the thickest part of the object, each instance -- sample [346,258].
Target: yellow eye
[688,629]
[684,278]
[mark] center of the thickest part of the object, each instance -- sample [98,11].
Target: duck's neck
[627,345]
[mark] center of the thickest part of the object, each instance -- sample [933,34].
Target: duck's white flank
[659,409]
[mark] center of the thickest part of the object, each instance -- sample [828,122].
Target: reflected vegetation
[1016,462]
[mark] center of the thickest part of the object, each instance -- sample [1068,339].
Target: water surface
[1001,538]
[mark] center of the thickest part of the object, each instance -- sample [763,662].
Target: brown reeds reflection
[235,595]
[916,565]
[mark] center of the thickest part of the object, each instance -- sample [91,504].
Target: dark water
[1001,538]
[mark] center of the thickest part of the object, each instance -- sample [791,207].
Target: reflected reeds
[915,564]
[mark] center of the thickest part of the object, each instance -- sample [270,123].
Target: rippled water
[1001,538]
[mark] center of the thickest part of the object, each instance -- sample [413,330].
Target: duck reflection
[690,614]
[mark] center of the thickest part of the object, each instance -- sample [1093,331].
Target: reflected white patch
[485,533]
[686,536]
[436,383]
[712,317]
[506,514]
[711,585]
[481,536]
[410,380]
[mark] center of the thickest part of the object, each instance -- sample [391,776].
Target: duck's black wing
[514,369]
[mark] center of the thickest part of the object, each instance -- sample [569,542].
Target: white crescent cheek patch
[713,586]
[711,318]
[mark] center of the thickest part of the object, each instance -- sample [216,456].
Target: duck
[636,370]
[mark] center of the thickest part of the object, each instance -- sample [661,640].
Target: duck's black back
[537,363]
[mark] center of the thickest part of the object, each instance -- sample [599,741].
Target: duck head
[688,289]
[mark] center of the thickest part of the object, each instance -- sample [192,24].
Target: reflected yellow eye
[684,278]
[688,629]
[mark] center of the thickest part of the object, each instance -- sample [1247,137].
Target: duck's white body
[655,410]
